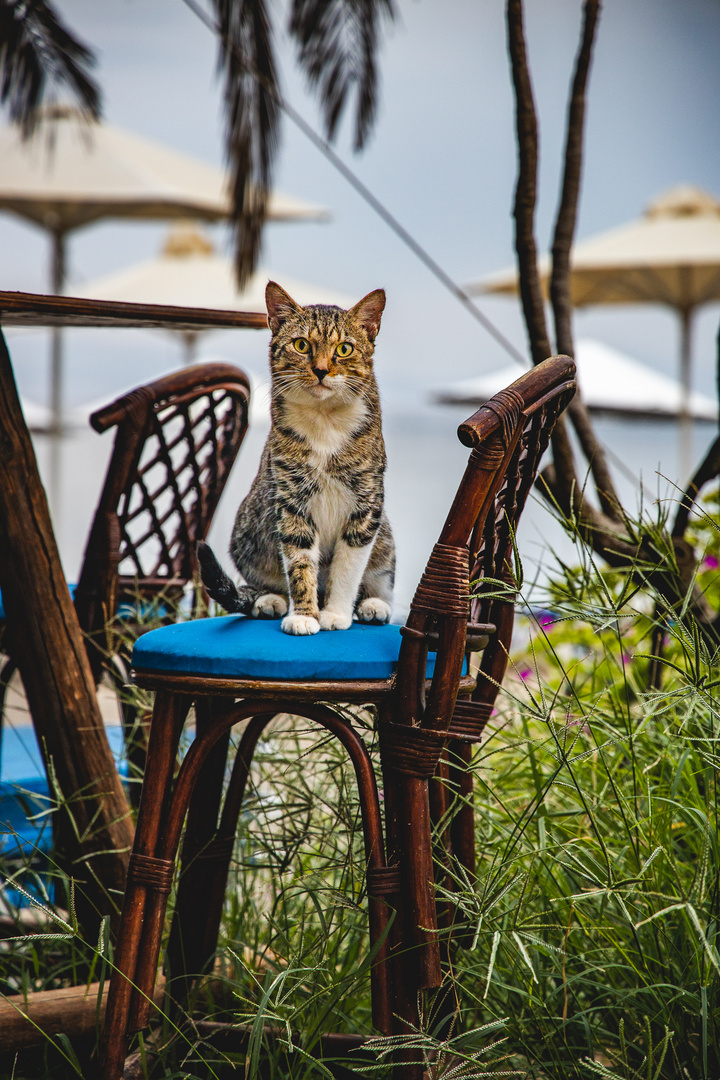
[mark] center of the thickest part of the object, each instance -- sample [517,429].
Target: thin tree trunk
[570,193]
[562,244]
[92,827]
[526,188]
[606,532]
[565,482]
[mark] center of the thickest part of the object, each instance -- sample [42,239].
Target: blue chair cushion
[237,647]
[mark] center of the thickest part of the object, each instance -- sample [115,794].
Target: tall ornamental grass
[587,943]
[594,917]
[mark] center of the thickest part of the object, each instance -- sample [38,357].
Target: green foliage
[594,919]
[587,942]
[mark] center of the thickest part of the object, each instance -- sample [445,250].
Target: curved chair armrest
[548,379]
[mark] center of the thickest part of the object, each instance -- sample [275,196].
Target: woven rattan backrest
[176,441]
[508,436]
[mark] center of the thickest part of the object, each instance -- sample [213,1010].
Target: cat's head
[322,352]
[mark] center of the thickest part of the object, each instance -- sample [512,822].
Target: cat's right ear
[368,311]
[280,305]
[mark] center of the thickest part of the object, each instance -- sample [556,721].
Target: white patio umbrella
[74,172]
[189,272]
[669,256]
[612,384]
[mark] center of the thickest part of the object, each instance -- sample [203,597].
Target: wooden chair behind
[176,441]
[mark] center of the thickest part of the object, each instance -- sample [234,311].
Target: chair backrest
[508,436]
[175,444]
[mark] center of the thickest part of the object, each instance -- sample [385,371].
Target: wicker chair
[428,706]
[175,443]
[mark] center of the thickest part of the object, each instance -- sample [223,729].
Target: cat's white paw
[300,624]
[333,620]
[374,610]
[269,606]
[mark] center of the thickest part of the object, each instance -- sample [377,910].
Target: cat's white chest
[331,507]
[326,430]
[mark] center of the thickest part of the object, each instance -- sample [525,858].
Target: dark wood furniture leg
[191,947]
[148,881]
[162,811]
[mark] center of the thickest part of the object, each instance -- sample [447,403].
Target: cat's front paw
[300,625]
[374,610]
[333,620]
[269,606]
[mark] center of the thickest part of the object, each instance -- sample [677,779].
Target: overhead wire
[372,200]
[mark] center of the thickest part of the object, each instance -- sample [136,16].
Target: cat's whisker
[289,377]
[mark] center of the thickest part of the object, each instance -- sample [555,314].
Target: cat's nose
[320,373]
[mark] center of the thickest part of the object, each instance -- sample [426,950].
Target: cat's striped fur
[311,539]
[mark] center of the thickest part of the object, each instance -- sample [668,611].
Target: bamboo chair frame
[420,722]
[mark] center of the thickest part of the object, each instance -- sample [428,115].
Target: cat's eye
[302,345]
[344,349]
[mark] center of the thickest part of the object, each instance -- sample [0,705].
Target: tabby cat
[311,539]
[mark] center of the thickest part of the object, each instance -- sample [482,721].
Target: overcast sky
[442,159]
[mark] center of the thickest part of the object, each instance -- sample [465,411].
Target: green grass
[590,935]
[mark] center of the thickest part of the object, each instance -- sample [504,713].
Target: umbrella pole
[685,421]
[190,345]
[56,357]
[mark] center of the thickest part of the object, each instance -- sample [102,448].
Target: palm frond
[251,102]
[37,54]
[337,44]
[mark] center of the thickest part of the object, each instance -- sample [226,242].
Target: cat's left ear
[368,311]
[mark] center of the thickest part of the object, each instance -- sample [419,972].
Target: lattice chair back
[508,436]
[176,441]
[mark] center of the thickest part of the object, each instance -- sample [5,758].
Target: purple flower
[710,562]
[525,673]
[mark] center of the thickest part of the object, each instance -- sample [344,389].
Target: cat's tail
[220,587]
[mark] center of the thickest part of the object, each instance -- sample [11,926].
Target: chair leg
[162,812]
[144,901]
[462,827]
[441,795]
[215,875]
[175,812]
[206,856]
[405,980]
